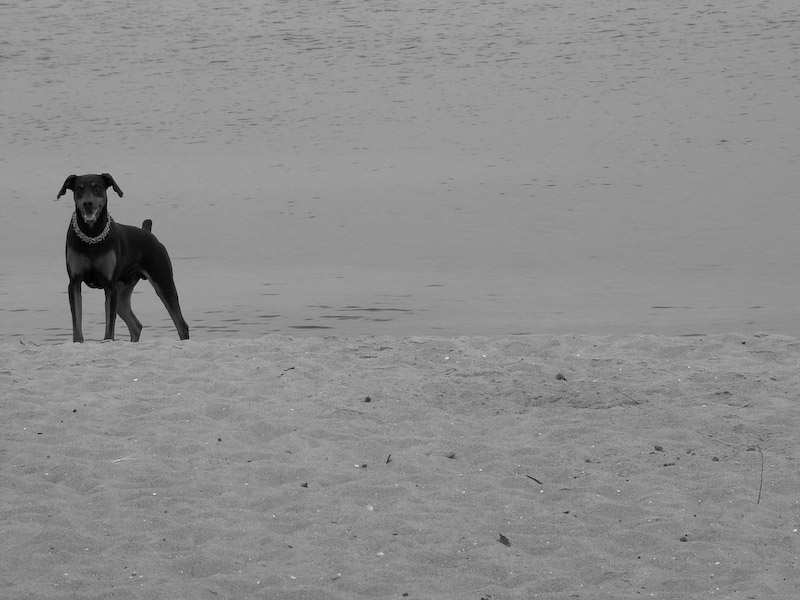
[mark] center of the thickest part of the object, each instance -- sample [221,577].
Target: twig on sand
[761,483]
[626,395]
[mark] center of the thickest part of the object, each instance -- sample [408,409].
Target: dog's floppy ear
[68,183]
[110,182]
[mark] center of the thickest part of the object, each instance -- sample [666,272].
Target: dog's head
[89,192]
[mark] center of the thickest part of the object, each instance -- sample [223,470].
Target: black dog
[114,257]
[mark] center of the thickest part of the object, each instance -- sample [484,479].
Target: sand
[386,467]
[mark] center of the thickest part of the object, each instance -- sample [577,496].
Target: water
[374,167]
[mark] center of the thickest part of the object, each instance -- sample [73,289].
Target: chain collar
[87,239]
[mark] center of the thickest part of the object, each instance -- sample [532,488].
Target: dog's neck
[79,226]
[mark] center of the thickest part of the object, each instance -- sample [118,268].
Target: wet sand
[486,168]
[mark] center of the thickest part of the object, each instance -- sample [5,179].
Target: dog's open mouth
[90,214]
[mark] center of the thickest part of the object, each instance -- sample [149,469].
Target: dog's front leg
[76,308]
[111,311]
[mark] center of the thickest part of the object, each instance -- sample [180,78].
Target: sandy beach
[459,278]
[388,467]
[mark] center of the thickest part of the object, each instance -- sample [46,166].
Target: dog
[113,257]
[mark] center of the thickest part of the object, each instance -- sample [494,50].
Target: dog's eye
[97,190]
[78,191]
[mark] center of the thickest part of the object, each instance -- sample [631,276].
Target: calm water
[408,167]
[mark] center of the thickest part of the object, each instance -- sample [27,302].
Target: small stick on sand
[761,484]
[626,395]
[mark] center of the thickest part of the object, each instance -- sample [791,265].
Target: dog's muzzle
[90,213]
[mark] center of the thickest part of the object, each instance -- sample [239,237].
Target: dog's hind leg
[169,296]
[174,310]
[124,291]
[159,273]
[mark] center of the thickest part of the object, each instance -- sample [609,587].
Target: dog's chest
[96,271]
